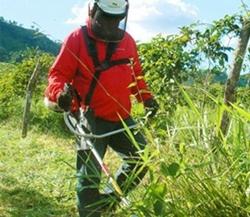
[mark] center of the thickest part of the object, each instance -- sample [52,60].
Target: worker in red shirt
[100,61]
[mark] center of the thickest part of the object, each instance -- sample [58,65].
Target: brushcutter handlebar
[77,128]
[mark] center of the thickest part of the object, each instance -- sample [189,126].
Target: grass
[34,180]
[37,175]
[4,66]
[186,178]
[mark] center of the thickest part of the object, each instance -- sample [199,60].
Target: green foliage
[209,42]
[47,121]
[166,62]
[244,80]
[14,80]
[14,38]
[187,178]
[5,66]
[243,97]
[199,54]
[13,84]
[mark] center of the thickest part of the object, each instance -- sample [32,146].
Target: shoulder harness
[99,66]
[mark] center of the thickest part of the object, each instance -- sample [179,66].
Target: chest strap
[99,66]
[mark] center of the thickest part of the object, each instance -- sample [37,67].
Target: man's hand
[151,107]
[65,98]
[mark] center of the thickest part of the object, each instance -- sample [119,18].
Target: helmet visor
[108,27]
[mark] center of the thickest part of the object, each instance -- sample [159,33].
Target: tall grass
[186,177]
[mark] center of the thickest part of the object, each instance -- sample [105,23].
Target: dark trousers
[89,171]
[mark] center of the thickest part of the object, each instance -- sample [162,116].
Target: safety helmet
[115,7]
[108,19]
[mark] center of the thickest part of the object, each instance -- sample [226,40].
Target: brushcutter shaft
[80,132]
[107,173]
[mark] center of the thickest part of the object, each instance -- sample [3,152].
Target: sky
[147,18]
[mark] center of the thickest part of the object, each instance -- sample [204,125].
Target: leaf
[159,207]
[170,170]
[243,113]
[158,193]
[190,102]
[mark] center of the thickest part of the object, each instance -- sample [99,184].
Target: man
[101,63]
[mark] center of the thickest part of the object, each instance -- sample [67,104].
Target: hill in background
[15,38]
[244,80]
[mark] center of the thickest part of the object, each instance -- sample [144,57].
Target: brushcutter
[75,125]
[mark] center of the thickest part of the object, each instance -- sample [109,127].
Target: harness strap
[99,67]
[91,46]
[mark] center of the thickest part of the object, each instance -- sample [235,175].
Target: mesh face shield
[108,27]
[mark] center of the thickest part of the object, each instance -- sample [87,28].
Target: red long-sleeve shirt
[111,97]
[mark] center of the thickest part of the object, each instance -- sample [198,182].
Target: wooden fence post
[30,88]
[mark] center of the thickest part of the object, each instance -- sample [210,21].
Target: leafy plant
[14,80]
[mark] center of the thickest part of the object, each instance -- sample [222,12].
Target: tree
[234,74]
[195,56]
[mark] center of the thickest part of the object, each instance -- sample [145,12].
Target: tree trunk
[30,88]
[234,75]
